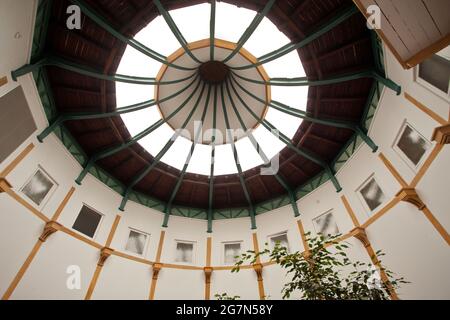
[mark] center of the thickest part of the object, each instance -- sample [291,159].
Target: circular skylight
[194,24]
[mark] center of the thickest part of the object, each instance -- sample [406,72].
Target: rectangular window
[411,145]
[39,187]
[281,239]
[87,221]
[232,251]
[371,194]
[434,73]
[137,242]
[326,225]
[185,252]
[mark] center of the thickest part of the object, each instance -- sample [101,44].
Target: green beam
[238,165]
[303,115]
[294,46]
[160,154]
[197,137]
[102,22]
[304,82]
[44,10]
[212,30]
[212,163]
[176,32]
[261,153]
[280,136]
[110,151]
[95,115]
[80,69]
[250,30]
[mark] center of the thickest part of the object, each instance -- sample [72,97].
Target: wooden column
[156,266]
[105,253]
[258,268]
[208,270]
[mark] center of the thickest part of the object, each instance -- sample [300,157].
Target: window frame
[402,155]
[225,263]
[194,252]
[424,83]
[50,193]
[102,216]
[330,211]
[282,233]
[147,241]
[366,207]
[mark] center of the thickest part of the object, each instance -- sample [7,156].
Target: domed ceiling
[220,82]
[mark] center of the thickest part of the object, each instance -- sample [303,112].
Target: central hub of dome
[214,72]
[209,94]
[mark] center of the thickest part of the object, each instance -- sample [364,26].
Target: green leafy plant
[318,274]
[225,296]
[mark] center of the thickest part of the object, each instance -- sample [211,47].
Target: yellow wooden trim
[15,196]
[9,168]
[208,251]
[425,109]
[63,204]
[180,266]
[383,274]
[130,257]
[93,282]
[393,171]
[22,271]
[436,224]
[152,290]
[303,235]
[350,211]
[428,51]
[3,81]
[256,246]
[112,232]
[421,173]
[160,246]
[381,213]
[84,239]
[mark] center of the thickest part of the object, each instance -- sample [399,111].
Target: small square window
[185,252]
[434,73]
[39,187]
[232,251]
[372,194]
[411,145]
[280,239]
[137,242]
[326,225]
[87,221]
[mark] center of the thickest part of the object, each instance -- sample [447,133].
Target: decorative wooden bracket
[4,185]
[50,228]
[258,269]
[208,272]
[105,253]
[156,269]
[360,234]
[410,195]
[442,134]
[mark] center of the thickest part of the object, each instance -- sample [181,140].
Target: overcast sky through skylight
[193,22]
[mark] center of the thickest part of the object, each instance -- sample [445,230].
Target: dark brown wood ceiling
[345,49]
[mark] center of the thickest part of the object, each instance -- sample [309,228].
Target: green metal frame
[250,30]
[330,25]
[44,90]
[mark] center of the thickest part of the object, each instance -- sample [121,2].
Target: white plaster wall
[123,279]
[175,284]
[47,275]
